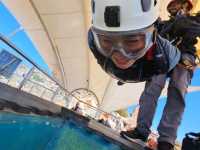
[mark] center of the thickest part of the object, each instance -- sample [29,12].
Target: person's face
[122,61]
[129,44]
[123,48]
[186,8]
[174,8]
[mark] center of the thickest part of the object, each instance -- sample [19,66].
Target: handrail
[41,85]
[10,44]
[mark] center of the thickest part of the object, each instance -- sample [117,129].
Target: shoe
[133,135]
[165,146]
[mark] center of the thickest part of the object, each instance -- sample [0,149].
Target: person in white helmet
[125,43]
[177,30]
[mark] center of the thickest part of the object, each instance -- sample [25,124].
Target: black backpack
[191,141]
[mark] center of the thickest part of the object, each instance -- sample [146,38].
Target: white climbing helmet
[124,15]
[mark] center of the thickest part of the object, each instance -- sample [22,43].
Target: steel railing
[28,84]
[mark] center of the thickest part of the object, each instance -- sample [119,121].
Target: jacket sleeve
[171,52]
[190,25]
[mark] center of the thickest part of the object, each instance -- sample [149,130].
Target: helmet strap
[155,33]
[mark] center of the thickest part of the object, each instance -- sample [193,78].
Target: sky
[8,24]
[191,120]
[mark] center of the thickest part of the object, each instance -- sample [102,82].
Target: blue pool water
[26,132]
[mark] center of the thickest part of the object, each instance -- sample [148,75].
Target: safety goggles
[131,44]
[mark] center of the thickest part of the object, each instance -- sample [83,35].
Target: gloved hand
[188,61]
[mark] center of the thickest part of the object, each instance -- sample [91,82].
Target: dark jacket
[164,58]
[183,31]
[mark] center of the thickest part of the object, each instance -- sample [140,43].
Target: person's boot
[133,135]
[165,146]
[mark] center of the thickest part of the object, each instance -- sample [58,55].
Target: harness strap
[149,54]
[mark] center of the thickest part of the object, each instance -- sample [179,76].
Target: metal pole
[43,93]
[55,93]
[14,32]
[27,77]
[31,88]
